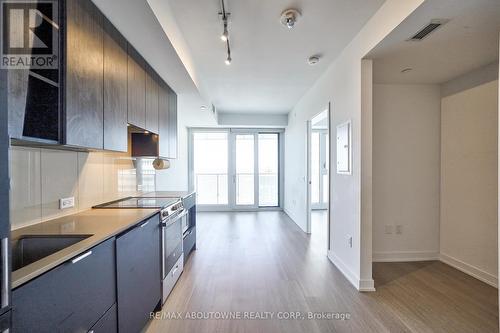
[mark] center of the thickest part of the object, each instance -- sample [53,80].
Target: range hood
[145,144]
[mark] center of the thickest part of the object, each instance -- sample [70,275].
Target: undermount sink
[30,248]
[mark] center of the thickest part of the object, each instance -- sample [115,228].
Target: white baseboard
[361,285]
[366,285]
[470,269]
[401,256]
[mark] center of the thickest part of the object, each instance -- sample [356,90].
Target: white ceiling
[269,72]
[468,41]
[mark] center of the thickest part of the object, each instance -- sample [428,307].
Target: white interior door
[319,169]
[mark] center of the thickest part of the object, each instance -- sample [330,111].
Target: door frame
[328,109]
[231,195]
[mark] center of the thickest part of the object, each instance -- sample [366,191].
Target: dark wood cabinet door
[151,101]
[107,324]
[115,89]
[136,78]
[138,275]
[84,75]
[172,123]
[163,120]
[69,298]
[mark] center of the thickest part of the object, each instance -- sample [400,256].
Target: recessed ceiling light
[203,107]
[313,60]
[289,18]
[406,70]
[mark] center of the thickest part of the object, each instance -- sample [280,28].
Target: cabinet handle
[5,272]
[175,270]
[144,224]
[83,256]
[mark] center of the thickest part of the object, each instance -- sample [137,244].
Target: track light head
[225,35]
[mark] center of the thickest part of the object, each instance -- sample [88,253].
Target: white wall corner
[359,284]
[471,270]
[366,230]
[402,256]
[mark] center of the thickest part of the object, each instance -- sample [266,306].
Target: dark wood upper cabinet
[163,116]
[172,124]
[151,100]
[136,78]
[101,83]
[84,75]
[115,89]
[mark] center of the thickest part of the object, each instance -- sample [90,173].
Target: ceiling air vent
[425,31]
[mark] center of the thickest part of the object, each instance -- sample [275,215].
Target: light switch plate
[65,203]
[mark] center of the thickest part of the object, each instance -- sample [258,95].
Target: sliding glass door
[236,169]
[210,167]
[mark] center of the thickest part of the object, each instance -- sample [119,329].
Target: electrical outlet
[399,229]
[66,203]
[388,229]
[349,241]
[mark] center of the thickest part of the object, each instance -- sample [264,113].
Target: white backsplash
[40,177]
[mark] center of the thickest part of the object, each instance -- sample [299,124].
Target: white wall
[406,171]
[469,206]
[341,85]
[189,115]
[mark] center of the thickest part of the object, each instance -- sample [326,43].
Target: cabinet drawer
[107,323]
[70,297]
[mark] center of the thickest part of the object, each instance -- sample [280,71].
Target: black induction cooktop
[139,202]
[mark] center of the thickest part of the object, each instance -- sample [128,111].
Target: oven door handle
[173,219]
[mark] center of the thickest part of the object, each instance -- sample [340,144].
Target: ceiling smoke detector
[289,17]
[313,60]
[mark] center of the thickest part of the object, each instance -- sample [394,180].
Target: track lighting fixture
[228,59]
[225,34]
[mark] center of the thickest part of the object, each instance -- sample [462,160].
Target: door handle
[83,256]
[5,272]
[175,270]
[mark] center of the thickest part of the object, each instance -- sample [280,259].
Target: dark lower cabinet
[138,275]
[107,323]
[69,298]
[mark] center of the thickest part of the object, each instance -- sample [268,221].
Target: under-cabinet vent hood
[143,143]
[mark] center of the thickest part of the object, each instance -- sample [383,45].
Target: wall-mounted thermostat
[344,159]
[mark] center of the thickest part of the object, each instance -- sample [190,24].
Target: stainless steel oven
[172,252]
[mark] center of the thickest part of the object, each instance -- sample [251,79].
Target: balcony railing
[212,188]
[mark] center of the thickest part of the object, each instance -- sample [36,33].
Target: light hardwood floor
[264,262]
